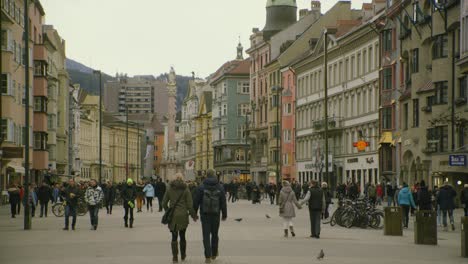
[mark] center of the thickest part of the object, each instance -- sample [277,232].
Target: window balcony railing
[333,123]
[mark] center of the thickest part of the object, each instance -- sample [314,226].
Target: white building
[353,107]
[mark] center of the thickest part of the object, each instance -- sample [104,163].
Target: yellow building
[12,122]
[114,145]
[118,149]
[57,103]
[204,147]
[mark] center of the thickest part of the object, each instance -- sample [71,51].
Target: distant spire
[240,51]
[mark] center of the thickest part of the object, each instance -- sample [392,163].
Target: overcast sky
[149,36]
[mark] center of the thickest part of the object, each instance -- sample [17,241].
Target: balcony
[333,123]
[40,52]
[8,11]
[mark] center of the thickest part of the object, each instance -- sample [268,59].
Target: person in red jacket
[380,193]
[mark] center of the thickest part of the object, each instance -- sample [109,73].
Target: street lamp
[100,124]
[278,90]
[246,132]
[26,38]
[325,86]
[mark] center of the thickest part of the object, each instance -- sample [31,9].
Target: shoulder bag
[167,217]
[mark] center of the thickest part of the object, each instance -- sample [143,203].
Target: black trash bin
[393,225]
[425,228]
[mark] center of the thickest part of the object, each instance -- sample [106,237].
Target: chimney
[316,6]
[303,13]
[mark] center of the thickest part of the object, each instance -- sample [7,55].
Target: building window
[463,91]
[40,68]
[415,112]
[406,116]
[287,135]
[287,109]
[224,88]
[224,109]
[441,95]
[243,109]
[274,131]
[387,40]
[40,104]
[6,86]
[440,47]
[387,82]
[40,141]
[243,87]
[240,155]
[387,118]
[415,61]
[437,139]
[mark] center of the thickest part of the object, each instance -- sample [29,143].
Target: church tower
[280,15]
[240,52]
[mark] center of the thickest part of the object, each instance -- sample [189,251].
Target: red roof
[235,67]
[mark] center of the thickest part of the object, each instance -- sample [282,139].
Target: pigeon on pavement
[321,255]
[267,216]
[238,219]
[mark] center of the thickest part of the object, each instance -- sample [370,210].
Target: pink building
[288,127]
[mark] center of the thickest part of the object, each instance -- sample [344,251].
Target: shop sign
[353,160]
[361,145]
[457,160]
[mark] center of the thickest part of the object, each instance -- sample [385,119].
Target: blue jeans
[210,228]
[93,214]
[439,215]
[70,211]
[444,217]
[389,201]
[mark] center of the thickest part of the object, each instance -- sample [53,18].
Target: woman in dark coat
[424,197]
[179,197]
[44,195]
[14,198]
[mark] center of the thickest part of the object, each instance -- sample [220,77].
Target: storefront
[451,168]
[314,170]
[362,170]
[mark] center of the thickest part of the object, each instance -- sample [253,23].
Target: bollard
[425,228]
[393,225]
[464,236]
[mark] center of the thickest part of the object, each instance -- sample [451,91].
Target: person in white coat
[287,201]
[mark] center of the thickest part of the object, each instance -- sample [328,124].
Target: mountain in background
[83,75]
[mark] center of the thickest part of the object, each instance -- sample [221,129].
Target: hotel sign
[457,160]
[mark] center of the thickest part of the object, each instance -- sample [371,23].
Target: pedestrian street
[255,239]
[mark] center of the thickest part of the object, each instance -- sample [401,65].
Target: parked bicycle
[359,213]
[58,209]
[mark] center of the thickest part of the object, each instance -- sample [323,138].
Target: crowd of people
[184,199]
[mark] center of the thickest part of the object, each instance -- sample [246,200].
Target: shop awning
[17,169]
[386,138]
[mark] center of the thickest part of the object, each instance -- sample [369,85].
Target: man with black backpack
[211,199]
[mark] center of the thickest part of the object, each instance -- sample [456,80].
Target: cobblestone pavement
[256,239]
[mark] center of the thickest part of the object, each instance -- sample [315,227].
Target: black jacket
[109,194]
[160,189]
[44,194]
[14,195]
[316,199]
[129,193]
[464,196]
[424,199]
[198,201]
[446,197]
[72,201]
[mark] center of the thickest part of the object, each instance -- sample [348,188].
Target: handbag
[167,217]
